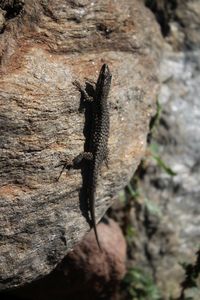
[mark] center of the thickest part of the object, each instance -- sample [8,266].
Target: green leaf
[133,193]
[130,232]
[122,197]
[154,147]
[152,207]
[141,285]
[161,163]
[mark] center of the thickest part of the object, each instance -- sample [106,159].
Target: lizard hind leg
[82,156]
[76,162]
[66,165]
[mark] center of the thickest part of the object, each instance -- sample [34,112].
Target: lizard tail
[93,218]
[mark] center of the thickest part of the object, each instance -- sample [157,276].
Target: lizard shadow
[86,108]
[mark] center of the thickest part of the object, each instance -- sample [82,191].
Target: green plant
[158,159]
[152,208]
[155,119]
[140,285]
[134,193]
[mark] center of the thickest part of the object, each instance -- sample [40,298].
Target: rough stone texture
[187,22]
[169,222]
[179,22]
[179,144]
[93,273]
[85,273]
[44,46]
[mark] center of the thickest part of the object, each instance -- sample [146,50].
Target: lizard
[99,133]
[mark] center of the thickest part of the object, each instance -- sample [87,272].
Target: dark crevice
[104,29]
[12,8]
[164,11]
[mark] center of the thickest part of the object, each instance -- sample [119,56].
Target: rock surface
[173,234]
[44,46]
[170,219]
[85,273]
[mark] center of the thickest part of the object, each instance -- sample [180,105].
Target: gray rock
[169,220]
[179,99]
[2,20]
[172,227]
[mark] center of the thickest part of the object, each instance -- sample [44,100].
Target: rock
[2,20]
[178,140]
[187,15]
[176,234]
[44,47]
[96,273]
[179,22]
[86,272]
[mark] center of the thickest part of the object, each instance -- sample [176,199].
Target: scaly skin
[98,148]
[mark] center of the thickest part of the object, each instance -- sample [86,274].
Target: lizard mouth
[104,75]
